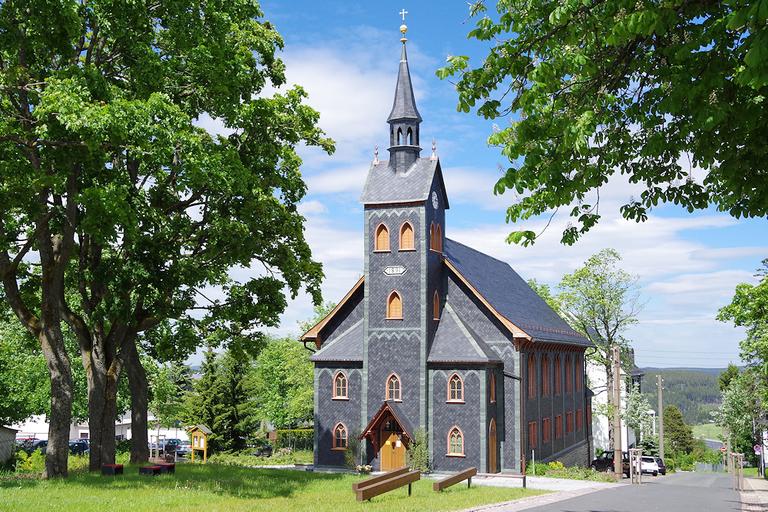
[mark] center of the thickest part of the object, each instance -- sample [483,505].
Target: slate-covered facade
[439,336]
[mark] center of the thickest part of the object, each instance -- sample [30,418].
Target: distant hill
[694,390]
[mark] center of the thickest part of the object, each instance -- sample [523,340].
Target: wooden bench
[379,478]
[390,484]
[111,469]
[150,470]
[455,478]
[167,467]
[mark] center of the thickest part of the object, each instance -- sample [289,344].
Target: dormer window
[382,238]
[406,237]
[394,306]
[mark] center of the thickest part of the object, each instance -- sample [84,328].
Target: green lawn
[229,489]
[707,431]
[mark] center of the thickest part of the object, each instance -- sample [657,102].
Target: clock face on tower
[434,200]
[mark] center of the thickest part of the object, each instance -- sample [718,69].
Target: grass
[213,487]
[707,431]
[751,472]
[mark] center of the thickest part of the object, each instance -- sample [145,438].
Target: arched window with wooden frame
[381,243]
[394,306]
[439,238]
[435,306]
[568,374]
[340,386]
[455,389]
[406,237]
[558,376]
[394,388]
[340,437]
[531,376]
[545,375]
[492,387]
[432,236]
[455,442]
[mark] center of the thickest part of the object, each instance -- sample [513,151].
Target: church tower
[404,206]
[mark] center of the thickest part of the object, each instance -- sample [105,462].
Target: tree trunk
[137,381]
[102,414]
[60,419]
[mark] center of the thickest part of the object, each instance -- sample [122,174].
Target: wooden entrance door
[392,452]
[492,464]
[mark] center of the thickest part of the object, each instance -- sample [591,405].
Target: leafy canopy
[646,89]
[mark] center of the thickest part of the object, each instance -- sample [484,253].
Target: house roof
[385,185]
[456,342]
[314,332]
[348,346]
[509,296]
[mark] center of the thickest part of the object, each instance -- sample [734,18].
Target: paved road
[681,492]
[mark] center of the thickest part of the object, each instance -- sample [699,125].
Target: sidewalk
[544,483]
[537,501]
[755,496]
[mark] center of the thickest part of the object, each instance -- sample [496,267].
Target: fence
[295,439]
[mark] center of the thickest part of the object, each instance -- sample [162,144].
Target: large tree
[118,210]
[678,436]
[601,301]
[669,94]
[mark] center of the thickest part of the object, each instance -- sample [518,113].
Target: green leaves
[598,89]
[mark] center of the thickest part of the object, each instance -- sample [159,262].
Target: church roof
[456,342]
[386,186]
[348,346]
[510,295]
[404,105]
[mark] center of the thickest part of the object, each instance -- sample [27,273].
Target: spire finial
[376,155]
[434,150]
[403,27]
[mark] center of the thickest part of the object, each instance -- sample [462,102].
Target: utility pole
[617,458]
[660,389]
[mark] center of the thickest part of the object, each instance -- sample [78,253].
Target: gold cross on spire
[403,27]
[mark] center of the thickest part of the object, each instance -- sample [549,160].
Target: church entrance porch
[390,436]
[392,452]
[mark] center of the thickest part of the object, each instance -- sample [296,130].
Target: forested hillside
[694,390]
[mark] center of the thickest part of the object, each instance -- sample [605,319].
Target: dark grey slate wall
[329,412]
[466,416]
[540,407]
[349,315]
[485,325]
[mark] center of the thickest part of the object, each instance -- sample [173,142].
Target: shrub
[352,455]
[295,438]
[537,469]
[32,463]
[555,465]
[123,446]
[418,455]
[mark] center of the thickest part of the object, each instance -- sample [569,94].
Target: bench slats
[378,478]
[446,482]
[390,484]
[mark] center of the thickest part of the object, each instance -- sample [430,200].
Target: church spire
[404,119]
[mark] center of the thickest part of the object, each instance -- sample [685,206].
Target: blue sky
[345,54]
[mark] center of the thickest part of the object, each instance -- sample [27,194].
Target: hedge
[295,438]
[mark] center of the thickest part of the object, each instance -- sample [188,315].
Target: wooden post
[617,458]
[660,389]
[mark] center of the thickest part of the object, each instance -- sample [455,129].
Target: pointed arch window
[435,306]
[544,375]
[399,136]
[455,442]
[439,238]
[394,306]
[409,137]
[394,391]
[340,437]
[340,386]
[406,237]
[382,238]
[558,376]
[492,387]
[455,389]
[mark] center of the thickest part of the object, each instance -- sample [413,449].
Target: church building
[438,336]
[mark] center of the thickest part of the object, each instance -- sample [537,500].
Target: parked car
[37,444]
[648,465]
[662,466]
[171,445]
[604,463]
[78,446]
[183,448]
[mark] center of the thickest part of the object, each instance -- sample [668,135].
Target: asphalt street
[681,492]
